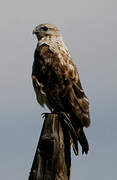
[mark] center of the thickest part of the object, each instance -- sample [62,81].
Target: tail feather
[81,138]
[74,142]
[76,134]
[83,141]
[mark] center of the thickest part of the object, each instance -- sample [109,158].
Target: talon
[44,114]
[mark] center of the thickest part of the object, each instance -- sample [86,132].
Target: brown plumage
[57,84]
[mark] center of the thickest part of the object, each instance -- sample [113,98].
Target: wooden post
[52,159]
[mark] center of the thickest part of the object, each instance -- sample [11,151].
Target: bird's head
[43,30]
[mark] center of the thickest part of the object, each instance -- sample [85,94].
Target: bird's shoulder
[57,55]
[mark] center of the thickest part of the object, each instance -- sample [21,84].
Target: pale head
[43,30]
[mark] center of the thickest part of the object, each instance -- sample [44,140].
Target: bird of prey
[57,85]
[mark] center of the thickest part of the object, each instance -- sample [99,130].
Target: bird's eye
[45,28]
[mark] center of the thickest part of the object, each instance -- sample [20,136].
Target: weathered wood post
[52,159]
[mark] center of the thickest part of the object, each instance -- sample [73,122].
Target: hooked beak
[35,31]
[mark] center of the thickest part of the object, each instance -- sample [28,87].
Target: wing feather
[57,73]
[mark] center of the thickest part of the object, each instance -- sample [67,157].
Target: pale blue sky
[89,29]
